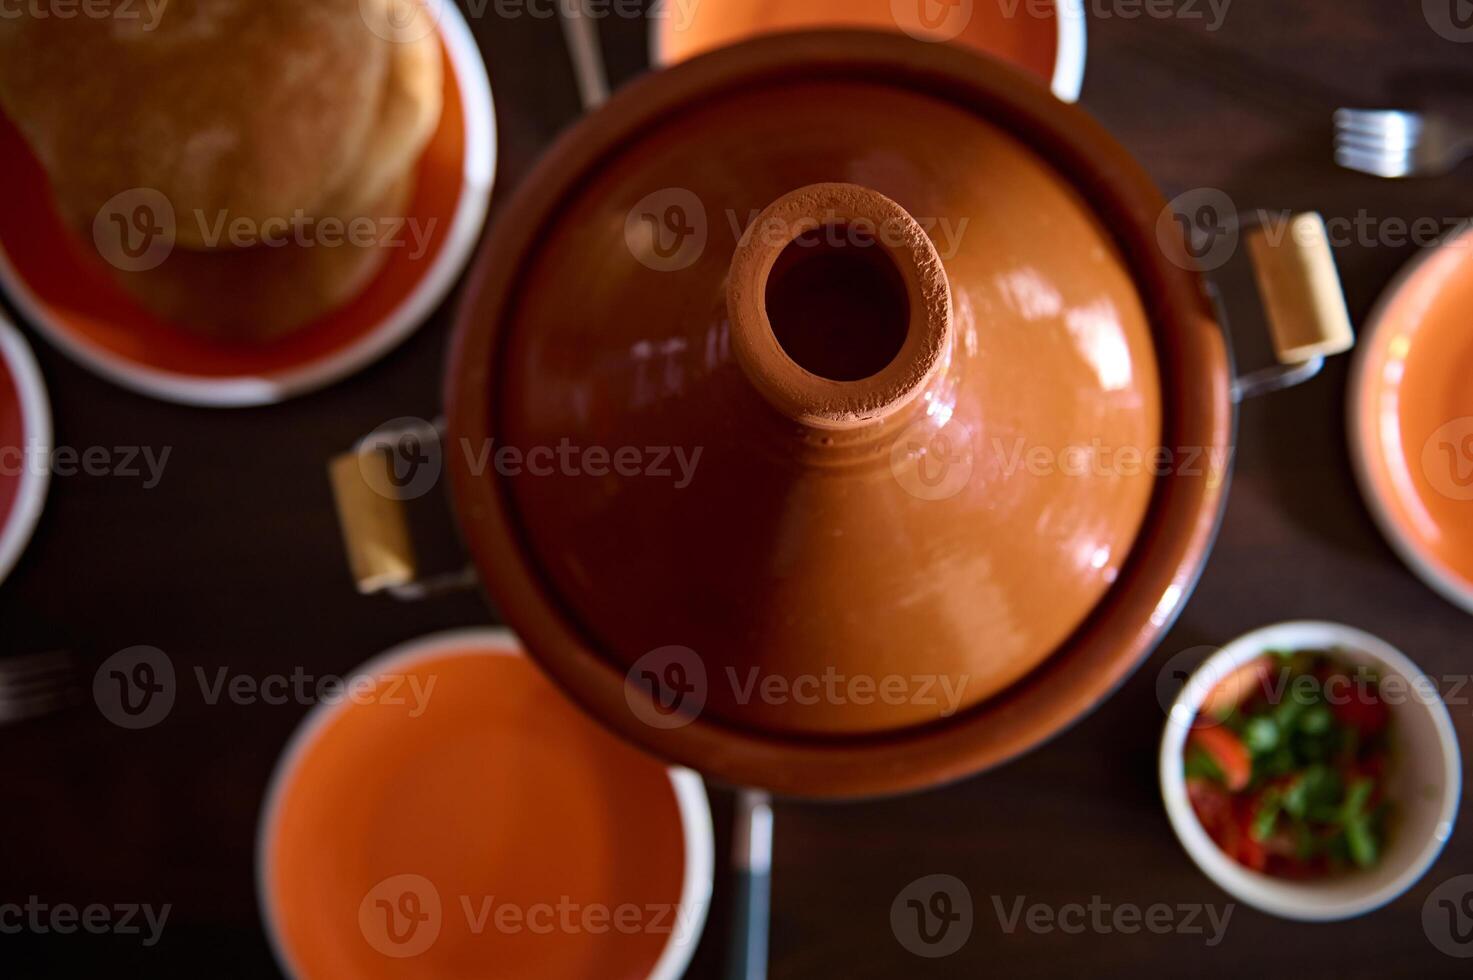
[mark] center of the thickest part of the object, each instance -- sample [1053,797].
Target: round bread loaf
[231,109]
[260,293]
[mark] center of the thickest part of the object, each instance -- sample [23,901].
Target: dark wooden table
[234,560]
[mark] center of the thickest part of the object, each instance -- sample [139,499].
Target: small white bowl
[1425,778]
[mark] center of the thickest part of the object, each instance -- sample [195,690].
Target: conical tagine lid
[805,393]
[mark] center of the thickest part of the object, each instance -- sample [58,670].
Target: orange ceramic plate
[79,307]
[1411,417]
[459,818]
[25,445]
[1046,39]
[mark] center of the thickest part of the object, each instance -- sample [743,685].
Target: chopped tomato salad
[1285,765]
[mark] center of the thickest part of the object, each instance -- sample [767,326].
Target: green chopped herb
[1267,815]
[1286,714]
[1316,720]
[1357,797]
[1317,786]
[1199,765]
[1361,840]
[1260,735]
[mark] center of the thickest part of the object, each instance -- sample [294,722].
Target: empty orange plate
[25,445]
[63,292]
[1044,37]
[452,815]
[1411,417]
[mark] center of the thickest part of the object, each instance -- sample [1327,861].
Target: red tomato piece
[1211,804]
[1362,711]
[1238,687]
[1250,853]
[1228,751]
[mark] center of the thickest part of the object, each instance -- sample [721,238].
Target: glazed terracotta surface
[483,789]
[1412,414]
[1013,34]
[961,527]
[782,549]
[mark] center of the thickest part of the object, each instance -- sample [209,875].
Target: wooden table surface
[234,560]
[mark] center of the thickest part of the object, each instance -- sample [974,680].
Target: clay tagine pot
[879,347]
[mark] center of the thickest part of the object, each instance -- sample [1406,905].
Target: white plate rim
[1440,580]
[478,176]
[1070,51]
[36,433]
[691,800]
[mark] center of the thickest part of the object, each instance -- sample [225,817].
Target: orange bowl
[1411,417]
[1045,39]
[453,816]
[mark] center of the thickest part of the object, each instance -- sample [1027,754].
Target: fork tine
[59,678]
[38,670]
[1390,129]
[1376,164]
[1371,163]
[31,662]
[16,711]
[1349,114]
[1374,120]
[1385,143]
[36,685]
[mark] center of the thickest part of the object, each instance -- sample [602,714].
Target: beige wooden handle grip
[1301,290]
[375,529]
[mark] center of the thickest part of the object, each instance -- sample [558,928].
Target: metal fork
[36,684]
[1398,143]
[580,33]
